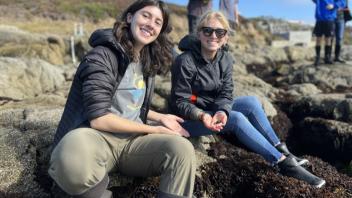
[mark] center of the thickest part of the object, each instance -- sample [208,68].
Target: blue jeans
[339,31]
[249,123]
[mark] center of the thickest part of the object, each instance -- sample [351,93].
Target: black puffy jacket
[95,83]
[198,84]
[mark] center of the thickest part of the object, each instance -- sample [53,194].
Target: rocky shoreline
[310,107]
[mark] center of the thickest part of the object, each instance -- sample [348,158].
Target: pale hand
[219,120]
[172,122]
[208,122]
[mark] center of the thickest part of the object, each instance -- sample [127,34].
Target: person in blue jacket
[325,15]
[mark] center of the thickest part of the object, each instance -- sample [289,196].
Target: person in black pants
[325,15]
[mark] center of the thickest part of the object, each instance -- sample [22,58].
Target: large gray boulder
[328,139]
[330,106]
[25,78]
[328,78]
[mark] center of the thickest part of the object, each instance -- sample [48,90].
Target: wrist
[220,112]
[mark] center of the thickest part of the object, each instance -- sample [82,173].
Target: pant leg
[251,107]
[80,160]
[239,125]
[168,156]
[339,31]
[192,23]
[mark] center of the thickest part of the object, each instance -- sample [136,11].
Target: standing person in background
[230,9]
[103,127]
[196,8]
[340,30]
[325,15]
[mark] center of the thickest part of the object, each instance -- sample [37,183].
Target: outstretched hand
[172,123]
[215,123]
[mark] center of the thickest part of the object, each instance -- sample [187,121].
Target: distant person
[195,9]
[325,15]
[340,30]
[201,93]
[103,127]
[230,9]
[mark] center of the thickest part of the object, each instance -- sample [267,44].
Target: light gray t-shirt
[129,96]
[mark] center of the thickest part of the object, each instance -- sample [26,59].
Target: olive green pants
[84,156]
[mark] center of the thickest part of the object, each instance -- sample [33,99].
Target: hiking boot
[337,54]
[339,60]
[327,57]
[316,61]
[284,150]
[328,61]
[289,167]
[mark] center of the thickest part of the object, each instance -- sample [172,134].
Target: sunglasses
[208,31]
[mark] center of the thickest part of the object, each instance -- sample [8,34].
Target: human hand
[208,122]
[172,122]
[219,120]
[330,6]
[164,130]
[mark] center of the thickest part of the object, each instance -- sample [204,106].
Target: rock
[19,43]
[304,89]
[328,139]
[343,111]
[25,78]
[159,103]
[25,139]
[328,78]
[296,54]
[330,106]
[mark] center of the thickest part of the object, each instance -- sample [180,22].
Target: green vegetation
[93,10]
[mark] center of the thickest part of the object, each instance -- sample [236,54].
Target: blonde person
[103,127]
[201,94]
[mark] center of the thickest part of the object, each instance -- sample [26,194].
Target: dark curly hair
[156,56]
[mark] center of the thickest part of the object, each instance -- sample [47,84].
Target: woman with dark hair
[103,127]
[202,90]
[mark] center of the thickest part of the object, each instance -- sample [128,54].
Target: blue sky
[301,10]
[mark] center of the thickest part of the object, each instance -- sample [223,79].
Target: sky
[297,10]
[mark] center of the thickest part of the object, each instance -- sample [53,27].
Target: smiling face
[145,25]
[211,43]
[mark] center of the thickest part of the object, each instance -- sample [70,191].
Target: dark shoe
[316,61]
[283,149]
[327,57]
[328,61]
[339,60]
[290,167]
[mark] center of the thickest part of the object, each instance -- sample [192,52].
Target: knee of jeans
[253,100]
[236,119]
[248,102]
[180,149]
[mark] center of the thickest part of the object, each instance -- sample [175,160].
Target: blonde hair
[213,15]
